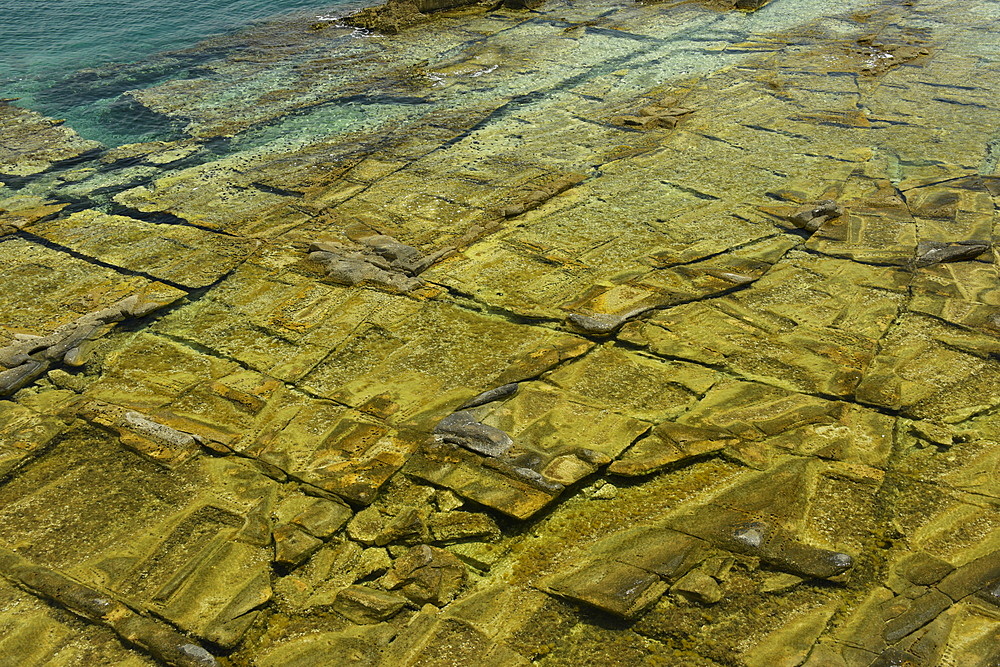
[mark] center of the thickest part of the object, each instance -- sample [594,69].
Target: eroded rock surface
[536,333]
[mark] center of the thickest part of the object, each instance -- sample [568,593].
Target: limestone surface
[574,333]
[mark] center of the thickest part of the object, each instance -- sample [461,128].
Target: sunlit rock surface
[584,334]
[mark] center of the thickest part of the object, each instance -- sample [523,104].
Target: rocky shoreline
[577,333]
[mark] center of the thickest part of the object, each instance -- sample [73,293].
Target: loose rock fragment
[451,526]
[366,525]
[490,395]
[143,434]
[919,613]
[426,574]
[936,252]
[976,575]
[350,267]
[395,15]
[779,549]
[28,357]
[380,260]
[600,323]
[663,113]
[461,428]
[698,587]
[365,605]
[924,569]
[409,527]
[293,546]
[464,472]
[813,216]
[668,444]
[617,588]
[317,516]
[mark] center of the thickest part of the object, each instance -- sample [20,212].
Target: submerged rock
[151,636]
[159,442]
[936,252]
[669,444]
[461,428]
[546,191]
[762,401]
[26,359]
[365,605]
[812,217]
[33,143]
[427,575]
[490,395]
[617,588]
[380,260]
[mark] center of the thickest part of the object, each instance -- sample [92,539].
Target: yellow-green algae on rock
[591,334]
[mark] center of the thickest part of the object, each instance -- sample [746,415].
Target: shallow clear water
[62,57]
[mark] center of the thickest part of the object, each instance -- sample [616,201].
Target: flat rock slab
[71,287]
[23,432]
[177,254]
[32,143]
[464,473]
[201,567]
[714,406]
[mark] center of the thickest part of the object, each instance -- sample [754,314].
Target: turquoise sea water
[72,59]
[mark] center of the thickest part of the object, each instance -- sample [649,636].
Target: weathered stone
[600,323]
[30,356]
[358,646]
[546,191]
[446,500]
[292,546]
[320,517]
[731,522]
[161,443]
[177,254]
[17,213]
[389,18]
[924,569]
[567,469]
[450,526]
[152,636]
[497,394]
[979,573]
[427,575]
[464,474]
[812,217]
[461,428]
[667,444]
[23,432]
[698,587]
[935,252]
[849,396]
[919,612]
[780,582]
[482,556]
[366,525]
[664,552]
[353,268]
[380,260]
[617,588]
[408,527]
[33,143]
[365,605]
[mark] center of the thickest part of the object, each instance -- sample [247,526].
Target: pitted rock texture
[535,334]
